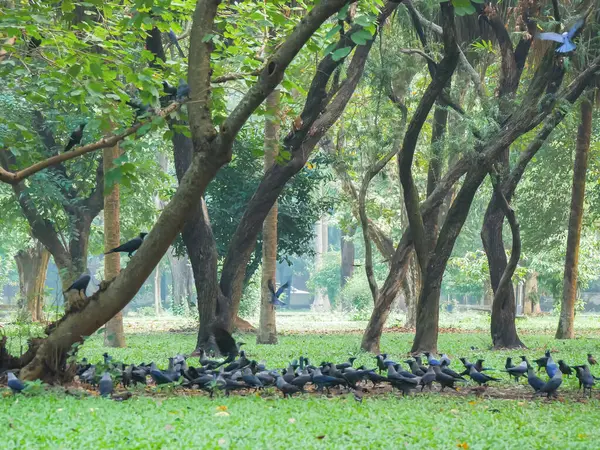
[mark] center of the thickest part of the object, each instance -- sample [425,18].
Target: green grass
[171,419]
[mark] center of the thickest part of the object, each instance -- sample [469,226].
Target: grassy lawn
[174,418]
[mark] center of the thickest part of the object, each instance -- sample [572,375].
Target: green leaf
[74,70]
[361,37]
[341,53]
[333,32]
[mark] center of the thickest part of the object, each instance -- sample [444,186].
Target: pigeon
[276,294]
[75,137]
[106,385]
[81,283]
[175,42]
[14,383]
[130,246]
[565,39]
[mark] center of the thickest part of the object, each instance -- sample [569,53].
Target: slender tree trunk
[157,293]
[114,336]
[566,328]
[267,330]
[532,299]
[411,286]
[348,252]
[32,264]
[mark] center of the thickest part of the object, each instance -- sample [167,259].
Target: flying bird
[75,137]
[565,39]
[130,246]
[275,294]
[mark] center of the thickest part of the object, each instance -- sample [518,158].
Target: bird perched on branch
[175,42]
[81,283]
[130,246]
[183,91]
[275,294]
[565,39]
[14,383]
[75,137]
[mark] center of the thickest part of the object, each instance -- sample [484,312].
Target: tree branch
[109,141]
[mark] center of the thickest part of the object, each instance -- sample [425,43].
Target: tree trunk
[348,252]
[32,264]
[114,336]
[157,293]
[321,302]
[411,286]
[532,298]
[267,330]
[567,310]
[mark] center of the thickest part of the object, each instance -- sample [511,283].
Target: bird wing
[567,47]
[551,37]
[271,287]
[282,288]
[575,28]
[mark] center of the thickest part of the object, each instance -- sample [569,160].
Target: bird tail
[110,251]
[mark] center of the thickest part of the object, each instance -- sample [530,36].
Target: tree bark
[267,330]
[114,335]
[157,293]
[347,252]
[566,329]
[32,264]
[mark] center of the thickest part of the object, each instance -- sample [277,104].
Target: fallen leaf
[472,403]
[291,420]
[321,436]
[463,445]
[222,414]
[222,441]
[454,411]
[169,427]
[222,408]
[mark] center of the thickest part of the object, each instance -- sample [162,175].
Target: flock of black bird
[236,372]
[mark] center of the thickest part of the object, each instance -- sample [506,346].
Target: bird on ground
[106,385]
[480,378]
[420,364]
[431,360]
[75,137]
[446,359]
[519,370]
[552,385]
[325,381]
[14,383]
[162,376]
[175,42]
[129,247]
[226,344]
[275,294]
[551,367]
[541,362]
[591,360]
[414,368]
[444,379]
[534,381]
[287,389]
[565,39]
[428,379]
[448,371]
[348,364]
[564,368]
[586,380]
[80,284]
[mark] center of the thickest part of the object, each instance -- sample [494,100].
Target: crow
[519,370]
[586,380]
[75,137]
[431,360]
[565,39]
[80,284]
[276,294]
[534,381]
[564,368]
[551,367]
[591,360]
[106,385]
[183,91]
[444,379]
[175,42]
[129,247]
[552,385]
[480,378]
[14,383]
[541,362]
[287,389]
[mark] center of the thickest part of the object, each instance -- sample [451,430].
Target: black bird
[586,380]
[444,379]
[286,388]
[480,378]
[240,363]
[414,368]
[325,381]
[138,107]
[428,379]
[75,137]
[183,91]
[130,246]
[509,364]
[591,360]
[519,370]
[106,385]
[175,42]
[534,381]
[226,344]
[541,362]
[348,364]
[169,89]
[80,284]
[445,369]
[564,368]
[552,385]
[301,380]
[276,294]
[14,383]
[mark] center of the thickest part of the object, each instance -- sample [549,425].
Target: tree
[267,330]
[566,328]
[113,333]
[32,264]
